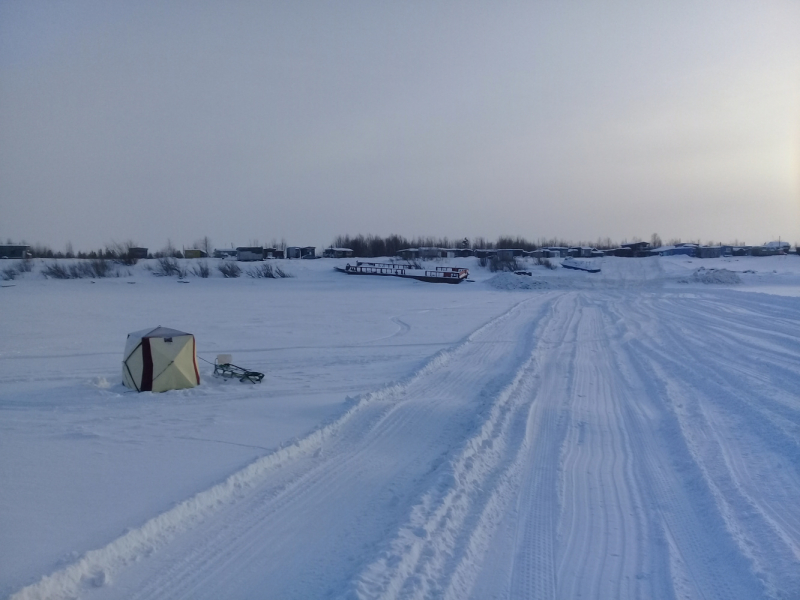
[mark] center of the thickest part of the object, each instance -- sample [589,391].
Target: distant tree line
[116,251]
[370,246]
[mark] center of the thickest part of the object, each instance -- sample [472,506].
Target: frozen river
[630,434]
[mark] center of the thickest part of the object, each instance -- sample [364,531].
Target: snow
[629,434]
[512,281]
[723,276]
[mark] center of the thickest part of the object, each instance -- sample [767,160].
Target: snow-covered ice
[633,433]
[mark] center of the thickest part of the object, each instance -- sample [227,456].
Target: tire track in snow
[636,520]
[532,573]
[582,491]
[97,567]
[434,554]
[684,544]
[728,422]
[593,560]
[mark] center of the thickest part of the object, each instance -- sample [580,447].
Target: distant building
[709,251]
[408,253]
[678,251]
[14,251]
[431,252]
[778,245]
[137,253]
[194,253]
[273,253]
[556,252]
[484,253]
[249,253]
[458,252]
[768,250]
[301,252]
[224,253]
[637,249]
[509,253]
[337,253]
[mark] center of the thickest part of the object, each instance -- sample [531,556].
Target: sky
[257,121]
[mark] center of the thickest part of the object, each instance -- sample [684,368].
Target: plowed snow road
[584,444]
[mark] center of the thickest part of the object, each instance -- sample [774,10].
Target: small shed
[709,251]
[558,251]
[408,253]
[337,252]
[678,251]
[273,253]
[484,253]
[13,251]
[194,253]
[249,253]
[509,253]
[431,252]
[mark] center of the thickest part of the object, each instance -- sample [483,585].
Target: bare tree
[655,241]
[204,244]
[120,252]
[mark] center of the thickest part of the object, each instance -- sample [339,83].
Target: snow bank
[723,276]
[511,281]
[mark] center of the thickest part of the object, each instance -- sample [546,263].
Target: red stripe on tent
[194,359]
[147,366]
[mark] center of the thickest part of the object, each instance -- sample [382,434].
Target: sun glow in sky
[257,121]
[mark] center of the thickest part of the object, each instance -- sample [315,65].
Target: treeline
[374,245]
[370,246]
[116,251]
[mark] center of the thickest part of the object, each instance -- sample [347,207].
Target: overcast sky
[247,121]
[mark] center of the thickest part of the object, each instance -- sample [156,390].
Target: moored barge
[409,271]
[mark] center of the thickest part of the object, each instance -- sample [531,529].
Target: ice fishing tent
[160,359]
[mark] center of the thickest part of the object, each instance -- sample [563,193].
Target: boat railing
[441,273]
[385,265]
[377,269]
[368,268]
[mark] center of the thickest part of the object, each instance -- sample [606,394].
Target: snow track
[585,444]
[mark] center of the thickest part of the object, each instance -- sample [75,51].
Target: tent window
[168,340]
